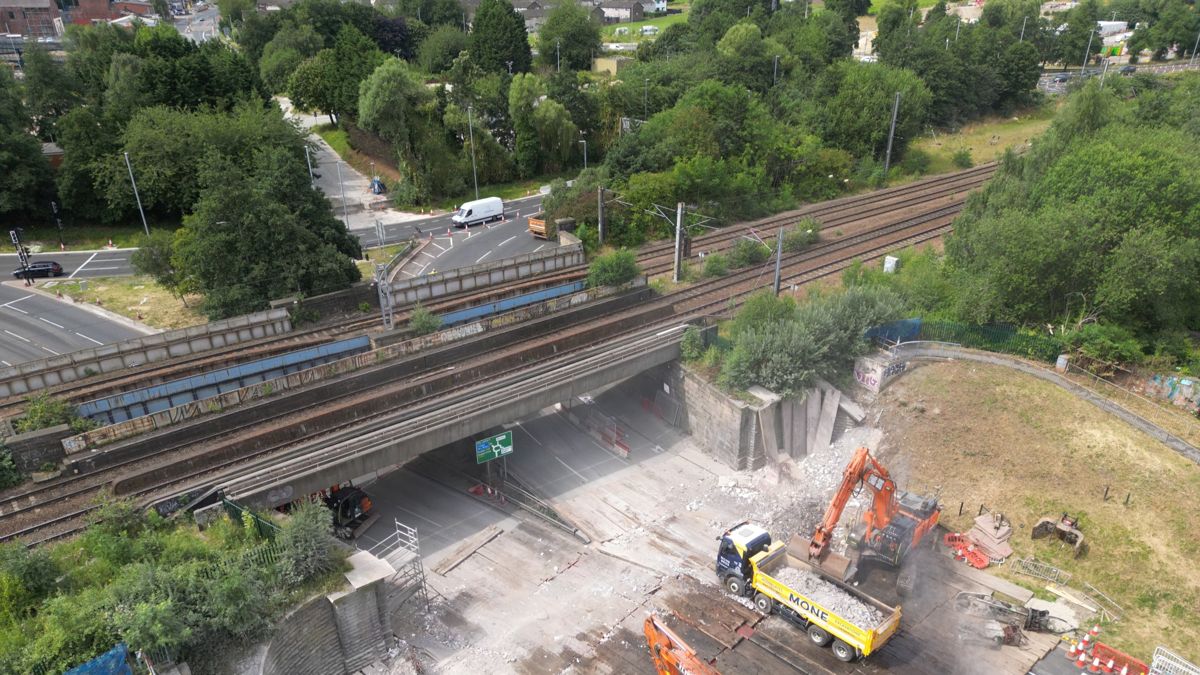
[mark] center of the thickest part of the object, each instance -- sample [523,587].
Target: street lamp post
[345,207]
[471,131]
[645,98]
[558,56]
[136,196]
[584,154]
[1088,52]
[1195,46]
[1023,22]
[775,72]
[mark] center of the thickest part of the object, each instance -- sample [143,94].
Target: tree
[153,258]
[570,34]
[392,36]
[499,42]
[422,321]
[438,51]
[27,184]
[858,109]
[313,85]
[49,91]
[285,52]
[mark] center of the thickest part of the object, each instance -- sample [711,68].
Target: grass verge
[84,237]
[339,140]
[505,191]
[986,139]
[609,33]
[1026,448]
[137,298]
[377,255]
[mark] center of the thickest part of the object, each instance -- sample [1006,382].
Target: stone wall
[306,642]
[33,449]
[725,428]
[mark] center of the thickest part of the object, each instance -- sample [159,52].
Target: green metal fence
[240,514]
[993,338]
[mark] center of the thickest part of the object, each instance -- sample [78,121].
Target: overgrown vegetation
[613,269]
[1089,239]
[43,411]
[155,585]
[422,321]
[10,475]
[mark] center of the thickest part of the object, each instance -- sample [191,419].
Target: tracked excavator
[891,527]
[673,656]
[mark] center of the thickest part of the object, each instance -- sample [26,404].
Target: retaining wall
[32,449]
[34,375]
[408,291]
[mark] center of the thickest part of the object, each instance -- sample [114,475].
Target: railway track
[59,510]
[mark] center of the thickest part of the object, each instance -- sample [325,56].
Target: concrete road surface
[200,26]
[76,264]
[33,326]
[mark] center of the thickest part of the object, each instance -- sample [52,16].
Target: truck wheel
[764,603]
[735,585]
[843,652]
[818,635]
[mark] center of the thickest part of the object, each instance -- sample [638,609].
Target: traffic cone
[1094,631]
[1125,669]
[1081,660]
[1073,652]
[1110,666]
[58,294]
[1086,643]
[62,246]
[110,244]
[1095,667]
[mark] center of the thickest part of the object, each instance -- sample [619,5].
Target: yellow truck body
[864,640]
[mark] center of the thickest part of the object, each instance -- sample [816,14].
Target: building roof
[620,4]
[32,4]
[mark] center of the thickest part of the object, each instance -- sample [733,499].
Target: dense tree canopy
[498,39]
[569,34]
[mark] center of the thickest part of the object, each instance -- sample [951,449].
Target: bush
[306,543]
[613,269]
[802,235]
[760,310]
[747,252]
[9,474]
[43,411]
[422,321]
[716,265]
[915,162]
[692,347]
[1106,344]
[962,158]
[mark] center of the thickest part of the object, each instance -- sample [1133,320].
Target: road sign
[487,449]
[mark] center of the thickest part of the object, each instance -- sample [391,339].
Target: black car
[39,269]
[1128,70]
[1062,77]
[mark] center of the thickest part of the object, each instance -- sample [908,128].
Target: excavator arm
[672,656]
[863,468]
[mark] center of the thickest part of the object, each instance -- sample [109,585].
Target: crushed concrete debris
[830,597]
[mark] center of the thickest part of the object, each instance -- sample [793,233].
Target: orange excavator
[673,656]
[894,524]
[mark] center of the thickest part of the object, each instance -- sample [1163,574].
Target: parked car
[39,269]
[1128,70]
[1062,77]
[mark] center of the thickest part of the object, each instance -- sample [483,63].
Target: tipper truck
[832,613]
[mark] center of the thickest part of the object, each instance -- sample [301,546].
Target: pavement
[199,26]
[452,248]
[34,326]
[78,264]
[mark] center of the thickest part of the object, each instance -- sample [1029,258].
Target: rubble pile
[830,597]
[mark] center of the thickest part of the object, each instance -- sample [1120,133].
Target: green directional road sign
[487,449]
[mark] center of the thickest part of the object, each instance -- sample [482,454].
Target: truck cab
[738,544]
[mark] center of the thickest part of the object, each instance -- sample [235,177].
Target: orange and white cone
[1073,652]
[1086,643]
[1081,660]
[1094,631]
[1110,666]
[1095,667]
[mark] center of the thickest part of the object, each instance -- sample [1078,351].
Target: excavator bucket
[830,564]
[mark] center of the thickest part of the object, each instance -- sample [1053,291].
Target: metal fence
[993,338]
[1167,662]
[240,514]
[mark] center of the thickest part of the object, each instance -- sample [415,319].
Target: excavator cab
[738,544]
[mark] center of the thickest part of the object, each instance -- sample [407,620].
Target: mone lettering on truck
[811,609]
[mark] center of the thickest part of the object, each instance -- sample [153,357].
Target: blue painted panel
[507,304]
[185,390]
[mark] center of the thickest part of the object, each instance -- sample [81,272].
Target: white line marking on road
[417,515]
[570,469]
[49,322]
[85,262]
[17,336]
[434,244]
[480,259]
[6,363]
[97,269]
[422,270]
[427,254]
[539,248]
[13,302]
[531,436]
[15,309]
[51,351]
[507,240]
[88,338]
[113,260]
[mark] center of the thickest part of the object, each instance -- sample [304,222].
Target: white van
[479,211]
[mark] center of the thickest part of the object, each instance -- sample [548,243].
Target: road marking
[539,248]
[51,351]
[85,262]
[13,302]
[97,269]
[422,270]
[507,240]
[113,260]
[570,469]
[480,259]
[434,244]
[88,338]
[6,363]
[417,515]
[49,322]
[17,336]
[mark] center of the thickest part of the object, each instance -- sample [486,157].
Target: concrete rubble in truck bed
[830,597]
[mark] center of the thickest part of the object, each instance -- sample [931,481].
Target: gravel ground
[830,597]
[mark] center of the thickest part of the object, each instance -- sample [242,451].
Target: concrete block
[829,409]
[812,413]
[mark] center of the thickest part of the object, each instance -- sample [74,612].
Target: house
[31,18]
[654,7]
[535,18]
[616,11]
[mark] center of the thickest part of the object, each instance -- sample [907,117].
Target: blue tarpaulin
[113,662]
[904,330]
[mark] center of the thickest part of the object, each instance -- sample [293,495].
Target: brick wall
[306,643]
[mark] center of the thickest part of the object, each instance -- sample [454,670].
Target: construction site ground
[1015,444]
[519,596]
